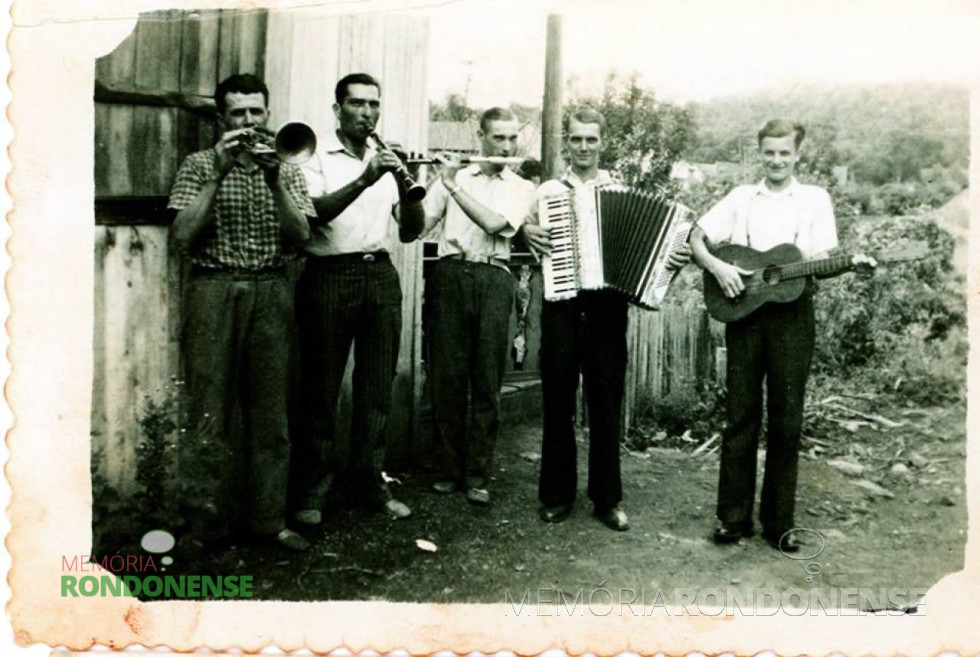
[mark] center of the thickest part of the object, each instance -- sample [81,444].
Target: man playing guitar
[772,344]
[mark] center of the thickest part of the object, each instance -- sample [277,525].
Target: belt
[345,258]
[264,272]
[469,257]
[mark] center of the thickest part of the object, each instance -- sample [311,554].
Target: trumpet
[294,143]
[469,159]
[414,191]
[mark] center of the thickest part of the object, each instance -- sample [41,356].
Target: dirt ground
[899,523]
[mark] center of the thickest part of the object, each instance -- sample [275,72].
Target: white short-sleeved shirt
[755,216]
[365,225]
[505,193]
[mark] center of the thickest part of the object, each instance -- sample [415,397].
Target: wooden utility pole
[551,164]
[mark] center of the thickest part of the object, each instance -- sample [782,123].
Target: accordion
[611,237]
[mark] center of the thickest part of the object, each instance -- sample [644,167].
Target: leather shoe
[728,533]
[308,516]
[444,487]
[290,540]
[396,510]
[613,518]
[557,513]
[787,543]
[478,496]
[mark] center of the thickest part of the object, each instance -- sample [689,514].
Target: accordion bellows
[611,237]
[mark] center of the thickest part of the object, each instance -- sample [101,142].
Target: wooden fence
[671,352]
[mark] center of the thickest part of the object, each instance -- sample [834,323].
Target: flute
[469,159]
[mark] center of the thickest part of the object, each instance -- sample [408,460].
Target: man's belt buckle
[369,257]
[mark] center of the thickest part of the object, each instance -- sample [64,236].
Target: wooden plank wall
[671,351]
[308,51]
[138,146]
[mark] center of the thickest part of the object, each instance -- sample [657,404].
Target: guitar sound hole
[770,275]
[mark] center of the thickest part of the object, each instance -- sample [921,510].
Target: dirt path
[906,541]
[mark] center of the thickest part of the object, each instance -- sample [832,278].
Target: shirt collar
[474,170]
[332,144]
[602,177]
[790,190]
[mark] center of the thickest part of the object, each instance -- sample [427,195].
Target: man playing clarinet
[350,293]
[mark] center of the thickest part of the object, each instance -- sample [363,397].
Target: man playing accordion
[584,335]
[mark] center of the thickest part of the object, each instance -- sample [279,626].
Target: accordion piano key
[559,268]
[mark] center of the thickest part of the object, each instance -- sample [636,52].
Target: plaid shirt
[245,233]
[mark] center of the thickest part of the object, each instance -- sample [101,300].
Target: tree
[452,108]
[644,136]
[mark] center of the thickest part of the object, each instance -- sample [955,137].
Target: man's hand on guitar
[729,278]
[679,258]
[863,264]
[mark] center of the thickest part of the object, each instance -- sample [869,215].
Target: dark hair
[529,169]
[495,114]
[783,128]
[584,115]
[241,83]
[341,90]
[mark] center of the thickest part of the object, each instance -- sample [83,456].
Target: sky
[694,50]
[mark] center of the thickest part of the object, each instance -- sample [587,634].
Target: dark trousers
[234,452]
[774,344]
[584,335]
[468,343]
[341,301]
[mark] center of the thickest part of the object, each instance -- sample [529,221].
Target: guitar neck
[823,267]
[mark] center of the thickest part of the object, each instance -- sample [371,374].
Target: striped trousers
[343,301]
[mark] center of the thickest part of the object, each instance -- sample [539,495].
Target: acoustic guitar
[778,276]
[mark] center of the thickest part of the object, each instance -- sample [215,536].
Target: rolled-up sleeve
[546,189]
[312,171]
[515,210]
[191,176]
[434,205]
[718,223]
[823,229]
[296,183]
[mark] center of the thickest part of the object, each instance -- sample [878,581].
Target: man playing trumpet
[241,215]
[472,293]
[349,294]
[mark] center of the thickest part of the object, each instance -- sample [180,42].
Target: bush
[660,421]
[894,324]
